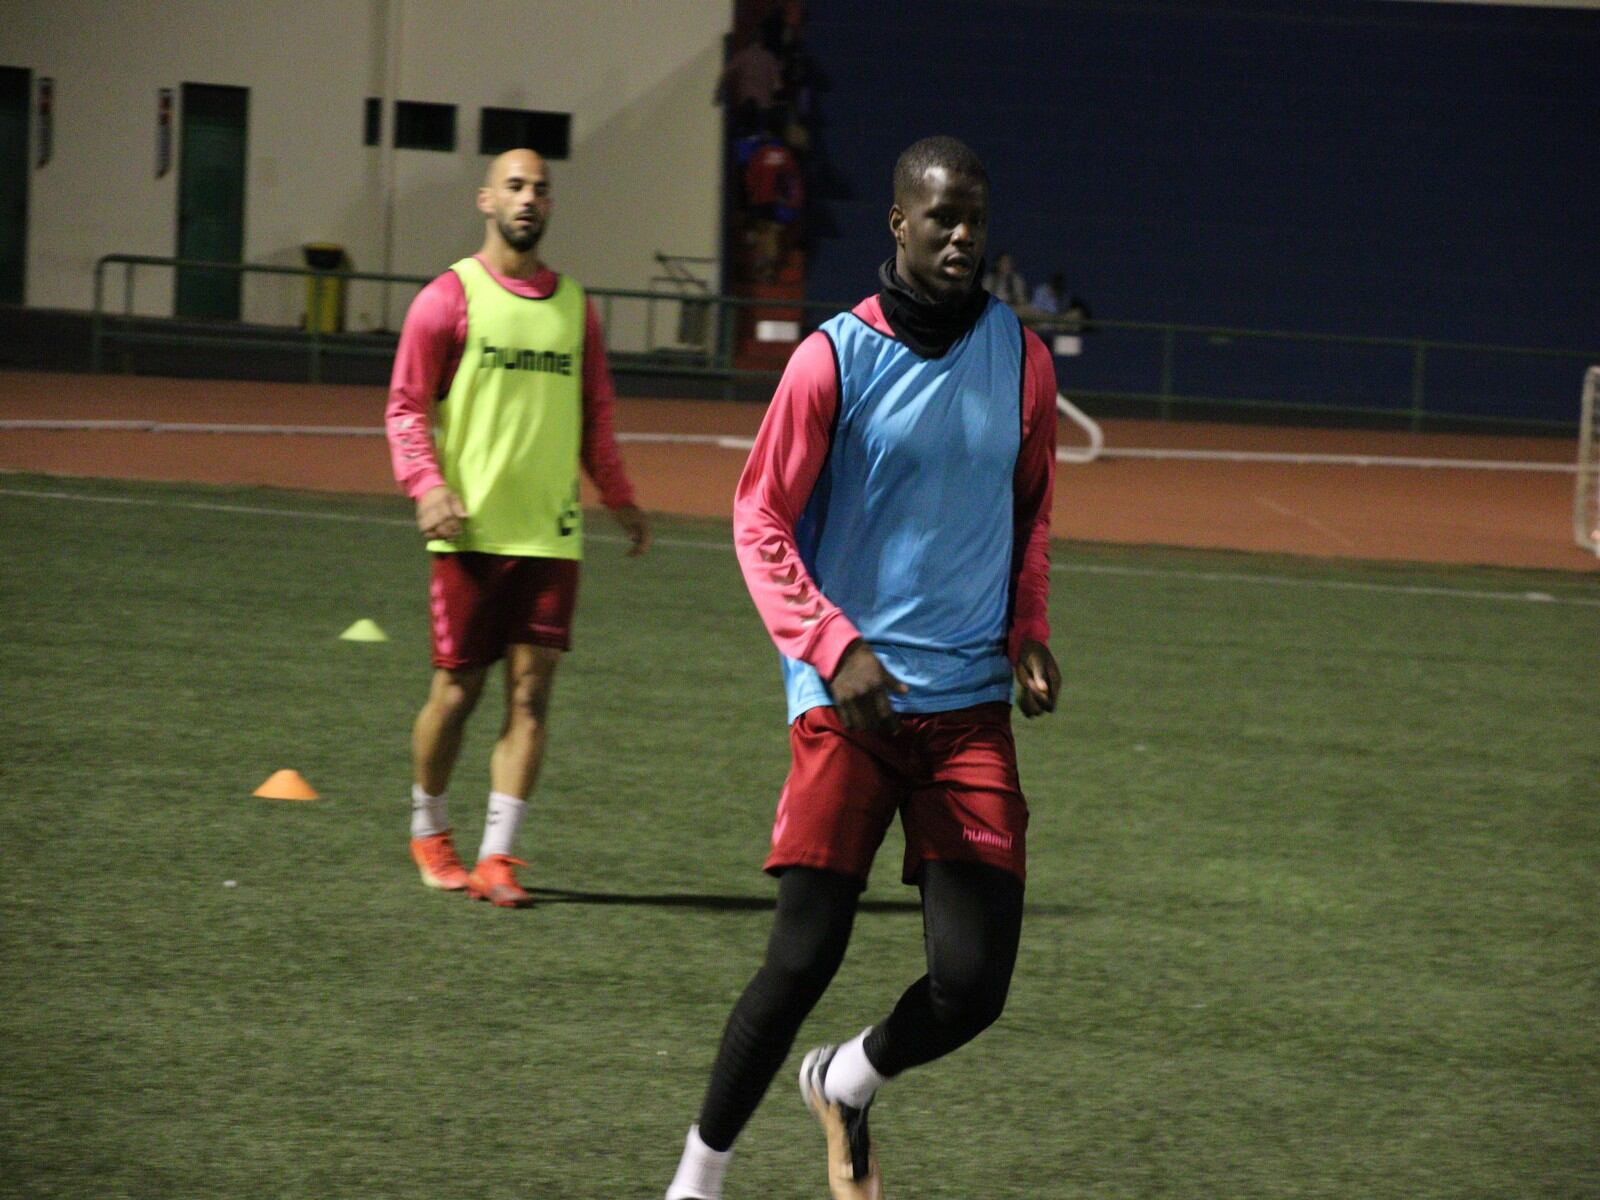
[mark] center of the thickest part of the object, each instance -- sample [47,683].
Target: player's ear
[486,202]
[897,224]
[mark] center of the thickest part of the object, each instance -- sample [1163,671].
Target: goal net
[1586,492]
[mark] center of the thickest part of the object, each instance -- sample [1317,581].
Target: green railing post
[1418,363]
[127,306]
[314,320]
[1168,347]
[316,344]
[727,333]
[96,361]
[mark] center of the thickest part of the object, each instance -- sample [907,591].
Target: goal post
[1586,491]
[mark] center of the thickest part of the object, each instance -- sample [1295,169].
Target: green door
[211,158]
[15,85]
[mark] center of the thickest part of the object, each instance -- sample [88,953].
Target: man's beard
[520,239]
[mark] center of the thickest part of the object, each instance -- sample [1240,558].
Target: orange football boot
[494,880]
[435,856]
[853,1172]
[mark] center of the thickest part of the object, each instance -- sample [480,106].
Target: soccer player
[892,524]
[500,390]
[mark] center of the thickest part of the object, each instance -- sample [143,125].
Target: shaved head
[526,162]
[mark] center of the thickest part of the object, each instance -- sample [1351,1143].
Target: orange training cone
[286,785]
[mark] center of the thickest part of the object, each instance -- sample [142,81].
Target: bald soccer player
[500,391]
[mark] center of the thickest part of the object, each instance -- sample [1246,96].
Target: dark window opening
[420,126]
[502,129]
[372,122]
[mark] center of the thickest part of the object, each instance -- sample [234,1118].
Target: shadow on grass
[713,903]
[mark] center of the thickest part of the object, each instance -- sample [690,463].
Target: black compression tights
[971,921]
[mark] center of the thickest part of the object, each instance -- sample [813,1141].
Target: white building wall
[636,75]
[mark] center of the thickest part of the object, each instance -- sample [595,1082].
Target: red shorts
[481,603]
[952,776]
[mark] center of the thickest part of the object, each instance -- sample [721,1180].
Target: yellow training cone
[364,630]
[286,785]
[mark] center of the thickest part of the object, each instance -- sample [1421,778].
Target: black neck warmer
[928,329]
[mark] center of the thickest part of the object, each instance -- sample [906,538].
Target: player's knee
[455,701]
[529,702]
[530,684]
[802,973]
[810,932]
[969,1000]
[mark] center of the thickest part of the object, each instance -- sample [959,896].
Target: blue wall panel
[1410,170]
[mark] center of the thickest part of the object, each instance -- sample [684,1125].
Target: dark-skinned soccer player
[892,524]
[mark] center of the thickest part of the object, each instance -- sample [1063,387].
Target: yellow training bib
[510,430]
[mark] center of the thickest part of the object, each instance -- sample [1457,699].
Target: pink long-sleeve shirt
[431,341]
[783,468]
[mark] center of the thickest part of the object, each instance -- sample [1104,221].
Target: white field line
[1338,460]
[1340,585]
[76,426]
[735,442]
[202,506]
[1285,511]
[1177,575]
[298,514]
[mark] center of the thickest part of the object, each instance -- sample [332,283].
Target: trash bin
[325,293]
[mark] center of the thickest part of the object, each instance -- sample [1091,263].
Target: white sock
[428,815]
[700,1170]
[501,825]
[851,1079]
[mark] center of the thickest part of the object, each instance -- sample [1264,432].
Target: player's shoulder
[1034,349]
[865,316]
[843,338]
[1038,369]
[439,302]
[1033,346]
[447,287]
[817,351]
[813,368]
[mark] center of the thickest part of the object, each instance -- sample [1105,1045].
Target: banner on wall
[163,132]
[47,99]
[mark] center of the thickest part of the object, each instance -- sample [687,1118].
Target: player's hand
[1038,679]
[440,513]
[636,525]
[860,689]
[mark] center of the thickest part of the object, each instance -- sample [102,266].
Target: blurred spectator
[1049,298]
[751,79]
[1075,319]
[795,95]
[774,197]
[1006,282]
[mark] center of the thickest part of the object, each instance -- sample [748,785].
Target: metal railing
[682,328]
[1408,380]
[105,329]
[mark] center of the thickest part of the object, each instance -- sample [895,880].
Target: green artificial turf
[1312,904]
